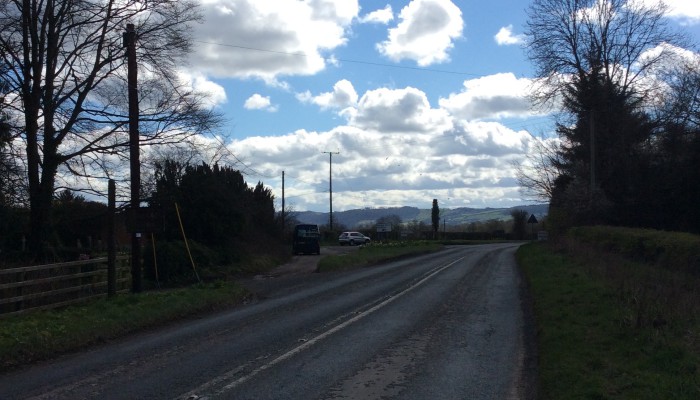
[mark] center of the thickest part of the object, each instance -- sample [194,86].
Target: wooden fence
[55,285]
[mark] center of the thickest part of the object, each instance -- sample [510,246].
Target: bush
[172,263]
[676,251]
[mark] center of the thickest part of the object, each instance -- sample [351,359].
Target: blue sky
[422,99]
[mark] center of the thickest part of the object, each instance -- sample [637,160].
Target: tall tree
[672,201]
[12,180]
[592,57]
[519,223]
[435,216]
[571,40]
[65,63]
[217,205]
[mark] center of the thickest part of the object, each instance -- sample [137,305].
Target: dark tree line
[225,218]
[630,133]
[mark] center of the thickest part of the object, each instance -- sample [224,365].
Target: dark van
[306,239]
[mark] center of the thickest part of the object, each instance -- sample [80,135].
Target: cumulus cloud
[493,96]
[382,16]
[394,150]
[342,96]
[395,147]
[214,93]
[505,37]
[398,110]
[425,33]
[468,164]
[259,102]
[265,39]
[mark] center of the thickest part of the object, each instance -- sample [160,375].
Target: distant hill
[452,216]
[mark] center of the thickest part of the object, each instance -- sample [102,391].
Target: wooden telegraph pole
[135,166]
[111,248]
[330,188]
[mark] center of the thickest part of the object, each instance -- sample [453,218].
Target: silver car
[353,238]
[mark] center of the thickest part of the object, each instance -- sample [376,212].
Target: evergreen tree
[435,216]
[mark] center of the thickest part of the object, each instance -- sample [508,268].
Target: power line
[347,60]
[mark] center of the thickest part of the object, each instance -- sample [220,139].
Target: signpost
[532,221]
[382,228]
[383,231]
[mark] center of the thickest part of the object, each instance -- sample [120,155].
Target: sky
[407,101]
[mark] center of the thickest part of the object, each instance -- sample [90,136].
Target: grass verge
[588,346]
[40,335]
[43,334]
[376,253]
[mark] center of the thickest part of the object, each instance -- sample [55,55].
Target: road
[448,325]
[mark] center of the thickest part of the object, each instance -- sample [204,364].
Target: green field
[610,325]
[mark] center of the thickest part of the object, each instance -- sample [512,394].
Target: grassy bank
[43,334]
[612,325]
[375,253]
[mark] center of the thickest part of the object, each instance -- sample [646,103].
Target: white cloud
[342,96]
[463,163]
[258,102]
[493,96]
[215,93]
[398,110]
[264,39]
[382,16]
[395,150]
[425,33]
[687,11]
[505,37]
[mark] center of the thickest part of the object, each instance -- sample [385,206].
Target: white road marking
[305,345]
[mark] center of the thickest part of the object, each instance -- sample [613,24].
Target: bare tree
[680,103]
[65,69]
[570,39]
[537,174]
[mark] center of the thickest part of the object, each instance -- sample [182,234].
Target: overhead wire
[346,60]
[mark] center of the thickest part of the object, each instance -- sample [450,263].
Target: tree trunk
[40,201]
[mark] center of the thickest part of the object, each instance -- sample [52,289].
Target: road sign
[383,228]
[532,220]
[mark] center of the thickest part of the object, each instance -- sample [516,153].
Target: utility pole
[284,223]
[330,186]
[135,165]
[111,245]
[592,134]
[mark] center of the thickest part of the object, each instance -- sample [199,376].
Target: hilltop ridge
[451,216]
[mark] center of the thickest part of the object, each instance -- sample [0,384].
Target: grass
[589,347]
[40,335]
[43,334]
[375,253]
[599,318]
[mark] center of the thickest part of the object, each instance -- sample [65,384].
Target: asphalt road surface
[449,325]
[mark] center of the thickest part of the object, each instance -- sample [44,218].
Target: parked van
[306,239]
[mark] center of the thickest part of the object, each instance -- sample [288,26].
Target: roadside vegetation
[376,253]
[44,334]
[617,314]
